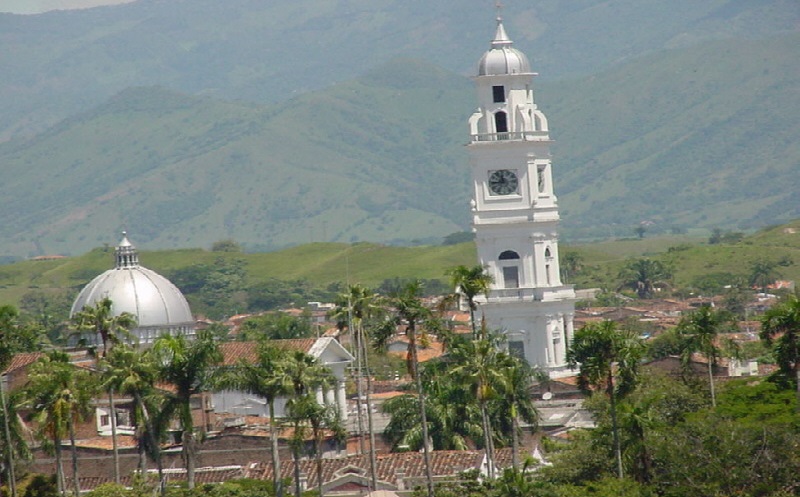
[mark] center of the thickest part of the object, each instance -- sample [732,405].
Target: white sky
[39,6]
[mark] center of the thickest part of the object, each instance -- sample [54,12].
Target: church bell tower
[515,211]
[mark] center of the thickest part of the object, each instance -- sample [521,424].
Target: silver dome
[156,303]
[502,58]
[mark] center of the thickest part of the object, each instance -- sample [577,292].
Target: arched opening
[501,125]
[510,270]
[508,255]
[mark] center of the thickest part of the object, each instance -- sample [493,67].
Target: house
[326,350]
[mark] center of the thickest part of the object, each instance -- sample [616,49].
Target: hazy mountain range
[191,121]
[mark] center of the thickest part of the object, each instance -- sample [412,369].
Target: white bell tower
[515,211]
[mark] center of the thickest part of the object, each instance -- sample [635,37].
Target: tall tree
[321,419]
[699,332]
[189,366]
[479,364]
[9,345]
[353,309]
[100,320]
[132,372]
[58,395]
[515,400]
[763,273]
[412,313]
[780,326]
[308,378]
[608,359]
[470,282]
[642,275]
[269,378]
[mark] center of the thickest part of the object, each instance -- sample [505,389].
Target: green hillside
[57,64]
[690,138]
[320,265]
[348,164]
[701,137]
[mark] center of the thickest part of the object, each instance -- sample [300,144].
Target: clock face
[503,182]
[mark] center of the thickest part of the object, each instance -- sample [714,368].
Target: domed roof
[153,299]
[502,58]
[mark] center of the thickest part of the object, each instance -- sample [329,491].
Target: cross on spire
[498,6]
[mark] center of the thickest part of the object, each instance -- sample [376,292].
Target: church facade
[515,211]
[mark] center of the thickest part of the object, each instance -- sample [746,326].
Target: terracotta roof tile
[411,464]
[233,352]
[22,360]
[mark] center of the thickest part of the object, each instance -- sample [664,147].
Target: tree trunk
[296,457]
[373,463]
[318,456]
[188,451]
[711,382]
[114,446]
[422,415]
[614,427]
[74,450]
[12,479]
[487,440]
[276,460]
[515,443]
[61,483]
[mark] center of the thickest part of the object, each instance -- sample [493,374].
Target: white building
[158,306]
[515,212]
[325,350]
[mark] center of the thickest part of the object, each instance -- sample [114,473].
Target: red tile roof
[22,360]
[411,464]
[233,352]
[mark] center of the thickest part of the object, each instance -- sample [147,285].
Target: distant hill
[375,159]
[57,64]
[696,137]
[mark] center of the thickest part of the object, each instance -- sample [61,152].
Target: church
[515,211]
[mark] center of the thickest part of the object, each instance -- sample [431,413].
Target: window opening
[499,94]
[511,277]
[501,125]
[508,255]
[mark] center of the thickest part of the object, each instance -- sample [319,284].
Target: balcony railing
[526,294]
[510,136]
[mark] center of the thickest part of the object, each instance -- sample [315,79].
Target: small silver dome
[502,58]
[156,303]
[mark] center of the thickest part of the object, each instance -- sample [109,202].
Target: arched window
[510,270]
[501,125]
[508,255]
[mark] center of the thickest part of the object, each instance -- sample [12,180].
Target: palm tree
[320,418]
[762,273]
[100,320]
[128,371]
[268,377]
[571,264]
[58,396]
[470,282]
[479,364]
[353,308]
[604,354]
[699,332]
[307,376]
[189,367]
[780,326]
[515,399]
[410,311]
[642,275]
[451,413]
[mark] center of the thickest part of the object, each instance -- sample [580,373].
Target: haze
[39,6]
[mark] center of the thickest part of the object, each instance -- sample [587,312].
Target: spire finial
[498,7]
